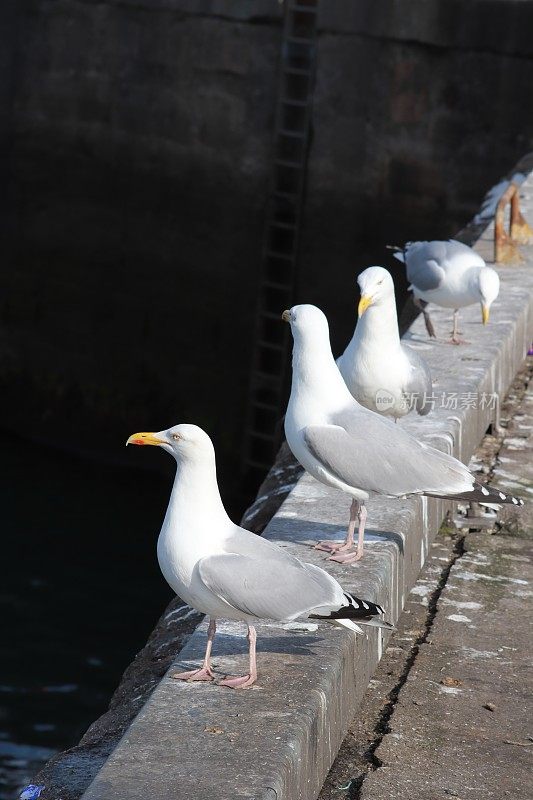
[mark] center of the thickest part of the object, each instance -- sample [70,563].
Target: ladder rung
[265,436]
[270,315]
[287,226]
[276,254]
[292,134]
[297,71]
[302,7]
[273,346]
[278,348]
[282,162]
[266,376]
[286,101]
[286,195]
[258,464]
[265,406]
[300,40]
[276,285]
[262,344]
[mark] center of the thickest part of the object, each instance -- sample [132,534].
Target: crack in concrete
[382,726]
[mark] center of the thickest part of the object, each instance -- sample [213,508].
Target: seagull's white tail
[347,623]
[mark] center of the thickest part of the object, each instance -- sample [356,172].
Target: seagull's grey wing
[368,452]
[275,588]
[458,250]
[428,262]
[424,264]
[419,385]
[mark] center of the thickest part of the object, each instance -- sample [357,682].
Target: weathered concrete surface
[310,684]
[462,724]
[423,730]
[514,470]
[356,755]
[374,721]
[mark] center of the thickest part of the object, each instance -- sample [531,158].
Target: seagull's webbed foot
[347,558]
[242,682]
[332,547]
[202,674]
[456,340]
[344,553]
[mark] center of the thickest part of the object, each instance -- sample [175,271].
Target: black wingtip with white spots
[483,493]
[362,611]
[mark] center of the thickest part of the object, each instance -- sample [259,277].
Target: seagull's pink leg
[204,673]
[245,681]
[335,547]
[351,558]
[455,333]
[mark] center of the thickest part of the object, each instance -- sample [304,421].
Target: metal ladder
[278,281]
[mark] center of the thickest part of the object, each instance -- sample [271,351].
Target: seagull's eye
[176,437]
[380,282]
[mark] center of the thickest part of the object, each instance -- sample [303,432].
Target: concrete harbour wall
[279,739]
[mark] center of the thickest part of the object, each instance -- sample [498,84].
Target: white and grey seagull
[349,447]
[449,274]
[225,571]
[382,372]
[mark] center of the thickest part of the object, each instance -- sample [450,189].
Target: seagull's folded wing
[377,456]
[269,588]
[424,263]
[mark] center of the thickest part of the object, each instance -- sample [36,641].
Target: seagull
[345,445]
[225,571]
[381,372]
[449,274]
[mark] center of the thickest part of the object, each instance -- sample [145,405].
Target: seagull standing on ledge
[344,445]
[225,571]
[449,274]
[381,372]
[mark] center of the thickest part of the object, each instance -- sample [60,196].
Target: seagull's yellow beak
[485,314]
[286,316]
[364,302]
[144,438]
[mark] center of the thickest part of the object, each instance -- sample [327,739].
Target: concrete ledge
[279,739]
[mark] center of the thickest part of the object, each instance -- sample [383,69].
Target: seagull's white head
[307,323]
[185,442]
[489,287]
[376,285]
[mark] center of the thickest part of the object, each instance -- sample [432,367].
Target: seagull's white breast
[183,542]
[377,379]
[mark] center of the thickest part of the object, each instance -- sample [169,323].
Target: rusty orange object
[506,244]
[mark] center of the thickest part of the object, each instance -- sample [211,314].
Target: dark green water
[80,591]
